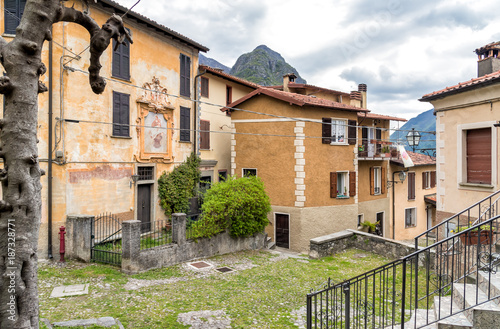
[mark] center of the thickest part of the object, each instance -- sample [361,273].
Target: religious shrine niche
[155,124]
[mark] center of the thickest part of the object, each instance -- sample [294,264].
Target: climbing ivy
[177,187]
[238,205]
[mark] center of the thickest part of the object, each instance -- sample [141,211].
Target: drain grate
[200,265]
[224,269]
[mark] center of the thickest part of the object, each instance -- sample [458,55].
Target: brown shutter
[204,135]
[433,179]
[479,156]
[204,87]
[372,181]
[352,183]
[351,128]
[411,186]
[424,176]
[384,181]
[327,131]
[333,184]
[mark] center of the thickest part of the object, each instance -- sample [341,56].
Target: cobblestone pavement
[205,319]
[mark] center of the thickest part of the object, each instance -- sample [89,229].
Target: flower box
[472,238]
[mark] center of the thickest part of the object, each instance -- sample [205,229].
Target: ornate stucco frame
[155,100]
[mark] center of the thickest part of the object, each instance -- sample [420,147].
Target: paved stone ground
[205,319]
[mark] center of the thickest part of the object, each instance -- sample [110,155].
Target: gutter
[49,155]
[197,113]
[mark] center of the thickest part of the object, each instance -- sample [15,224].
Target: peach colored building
[467,139]
[94,145]
[413,202]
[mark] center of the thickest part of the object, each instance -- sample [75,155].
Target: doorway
[144,206]
[380,223]
[282,230]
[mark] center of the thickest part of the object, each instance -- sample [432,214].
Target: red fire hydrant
[62,244]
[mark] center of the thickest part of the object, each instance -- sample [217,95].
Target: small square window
[222,175]
[249,172]
[410,217]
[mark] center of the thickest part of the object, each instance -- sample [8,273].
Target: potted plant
[394,152]
[367,227]
[481,235]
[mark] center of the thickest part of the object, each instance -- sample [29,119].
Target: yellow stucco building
[104,153]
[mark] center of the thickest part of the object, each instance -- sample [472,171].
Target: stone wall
[181,250]
[333,243]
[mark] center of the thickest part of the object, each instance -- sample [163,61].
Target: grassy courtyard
[265,291]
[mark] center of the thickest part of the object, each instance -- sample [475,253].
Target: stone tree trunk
[20,209]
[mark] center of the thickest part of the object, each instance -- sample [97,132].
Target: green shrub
[239,205]
[177,187]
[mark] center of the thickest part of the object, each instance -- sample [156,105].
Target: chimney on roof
[488,61]
[356,98]
[362,89]
[287,79]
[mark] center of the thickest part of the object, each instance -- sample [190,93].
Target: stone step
[492,281]
[443,307]
[486,315]
[271,245]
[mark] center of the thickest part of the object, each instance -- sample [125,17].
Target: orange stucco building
[139,127]
[304,142]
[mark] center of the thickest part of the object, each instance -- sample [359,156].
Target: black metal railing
[391,295]
[106,239]
[155,234]
[479,212]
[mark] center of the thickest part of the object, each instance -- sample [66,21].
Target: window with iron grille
[145,173]
[13,11]
[185,75]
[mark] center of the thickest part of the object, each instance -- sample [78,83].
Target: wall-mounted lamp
[496,124]
[133,179]
[401,176]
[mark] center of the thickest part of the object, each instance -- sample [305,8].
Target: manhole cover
[224,269]
[200,264]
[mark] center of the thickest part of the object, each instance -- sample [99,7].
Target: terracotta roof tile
[221,74]
[296,99]
[462,86]
[150,23]
[431,198]
[379,116]
[418,159]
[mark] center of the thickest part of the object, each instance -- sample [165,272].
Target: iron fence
[155,234]
[106,239]
[389,296]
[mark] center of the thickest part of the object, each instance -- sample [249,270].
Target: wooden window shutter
[185,75]
[333,184]
[411,186]
[185,124]
[433,179]
[204,135]
[378,136]
[13,11]
[327,131]
[479,156]
[125,114]
[351,128]
[424,176]
[384,181]
[229,95]
[121,114]
[204,86]
[372,181]
[364,136]
[352,183]
[116,113]
[120,67]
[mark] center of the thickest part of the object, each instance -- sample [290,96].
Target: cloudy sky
[402,49]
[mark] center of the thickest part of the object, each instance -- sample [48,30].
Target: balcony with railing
[375,149]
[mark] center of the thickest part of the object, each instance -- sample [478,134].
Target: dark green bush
[239,205]
[177,187]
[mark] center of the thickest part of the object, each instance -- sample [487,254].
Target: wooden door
[282,230]
[144,206]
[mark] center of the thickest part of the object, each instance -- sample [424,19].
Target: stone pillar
[78,237]
[179,228]
[131,246]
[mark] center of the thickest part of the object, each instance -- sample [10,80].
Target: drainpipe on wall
[197,113]
[49,156]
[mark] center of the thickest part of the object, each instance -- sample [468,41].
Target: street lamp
[413,138]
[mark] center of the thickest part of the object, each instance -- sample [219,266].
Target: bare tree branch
[99,40]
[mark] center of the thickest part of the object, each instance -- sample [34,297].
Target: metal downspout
[49,156]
